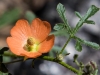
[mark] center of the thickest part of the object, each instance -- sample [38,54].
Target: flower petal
[31,54]
[15,45]
[21,30]
[46,45]
[40,29]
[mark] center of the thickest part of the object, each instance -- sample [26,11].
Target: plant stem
[7,53]
[61,63]
[65,45]
[46,58]
[13,61]
[78,25]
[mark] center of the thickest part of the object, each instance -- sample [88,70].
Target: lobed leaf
[88,43]
[78,46]
[30,16]
[91,44]
[61,11]
[78,14]
[89,22]
[9,17]
[59,26]
[91,11]
[60,32]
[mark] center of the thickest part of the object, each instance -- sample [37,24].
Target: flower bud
[60,57]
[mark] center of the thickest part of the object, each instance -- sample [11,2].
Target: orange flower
[30,40]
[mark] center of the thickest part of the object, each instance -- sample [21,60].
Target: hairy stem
[14,61]
[61,63]
[65,45]
[48,58]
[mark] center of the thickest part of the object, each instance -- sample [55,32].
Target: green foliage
[92,10]
[95,72]
[61,11]
[59,26]
[61,29]
[78,46]
[30,16]
[78,14]
[55,50]
[88,43]
[9,17]
[92,44]
[89,22]
[83,19]
[5,73]
[62,32]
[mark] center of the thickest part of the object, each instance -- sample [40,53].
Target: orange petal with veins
[21,30]
[46,45]
[15,45]
[40,29]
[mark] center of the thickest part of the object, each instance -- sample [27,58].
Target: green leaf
[56,49]
[9,17]
[95,72]
[89,22]
[92,10]
[88,43]
[59,26]
[30,16]
[1,73]
[91,44]
[78,46]
[61,12]
[60,33]
[78,14]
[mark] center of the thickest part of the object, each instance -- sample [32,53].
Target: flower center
[31,46]
[30,41]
